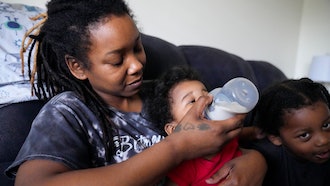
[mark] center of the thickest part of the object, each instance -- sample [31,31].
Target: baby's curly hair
[159,107]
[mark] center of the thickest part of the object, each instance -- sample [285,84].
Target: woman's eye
[114,60]
[117,62]
[326,126]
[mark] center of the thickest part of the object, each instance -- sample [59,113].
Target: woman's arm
[194,137]
[248,170]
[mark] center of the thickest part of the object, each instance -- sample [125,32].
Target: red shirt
[195,172]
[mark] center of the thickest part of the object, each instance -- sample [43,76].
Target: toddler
[294,115]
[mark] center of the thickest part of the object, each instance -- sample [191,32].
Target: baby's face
[306,132]
[183,96]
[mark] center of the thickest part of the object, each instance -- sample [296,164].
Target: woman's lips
[135,84]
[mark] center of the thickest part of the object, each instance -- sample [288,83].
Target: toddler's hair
[284,97]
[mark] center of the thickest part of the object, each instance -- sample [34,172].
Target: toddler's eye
[304,136]
[326,126]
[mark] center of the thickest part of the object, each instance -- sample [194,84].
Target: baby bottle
[237,96]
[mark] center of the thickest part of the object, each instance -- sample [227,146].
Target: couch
[215,66]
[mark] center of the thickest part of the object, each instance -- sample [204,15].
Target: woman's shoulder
[65,97]
[67,103]
[68,99]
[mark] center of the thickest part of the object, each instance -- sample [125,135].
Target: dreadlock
[34,30]
[64,31]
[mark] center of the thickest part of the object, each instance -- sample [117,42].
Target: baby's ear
[276,140]
[170,127]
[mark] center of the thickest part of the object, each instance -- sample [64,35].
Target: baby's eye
[326,126]
[192,101]
[304,136]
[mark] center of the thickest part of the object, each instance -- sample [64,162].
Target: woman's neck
[131,104]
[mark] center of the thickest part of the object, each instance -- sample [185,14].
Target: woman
[90,61]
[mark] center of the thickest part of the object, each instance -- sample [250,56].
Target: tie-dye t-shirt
[67,131]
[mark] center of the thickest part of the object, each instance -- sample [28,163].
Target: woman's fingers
[234,172]
[205,136]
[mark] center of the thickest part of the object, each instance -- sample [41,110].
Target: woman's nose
[135,65]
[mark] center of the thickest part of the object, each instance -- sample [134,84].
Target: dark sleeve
[265,147]
[276,174]
[57,134]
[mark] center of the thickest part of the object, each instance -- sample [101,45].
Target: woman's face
[183,96]
[116,58]
[306,132]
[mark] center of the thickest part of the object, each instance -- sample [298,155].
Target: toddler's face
[306,132]
[183,96]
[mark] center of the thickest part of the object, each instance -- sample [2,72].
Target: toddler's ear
[170,127]
[276,140]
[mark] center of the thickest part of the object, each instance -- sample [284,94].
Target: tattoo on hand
[188,126]
[203,126]
[177,128]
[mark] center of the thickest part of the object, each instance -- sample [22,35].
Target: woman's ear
[170,127]
[75,67]
[276,140]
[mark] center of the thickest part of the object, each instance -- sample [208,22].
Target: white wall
[314,34]
[285,33]
[255,29]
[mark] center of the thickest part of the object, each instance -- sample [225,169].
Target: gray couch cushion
[161,55]
[215,66]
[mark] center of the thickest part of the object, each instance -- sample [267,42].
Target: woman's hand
[196,136]
[248,170]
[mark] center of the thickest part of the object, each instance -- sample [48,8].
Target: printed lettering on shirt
[126,146]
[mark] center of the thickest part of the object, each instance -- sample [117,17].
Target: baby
[175,93]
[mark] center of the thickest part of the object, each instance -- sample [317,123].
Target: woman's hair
[159,108]
[66,32]
[284,97]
